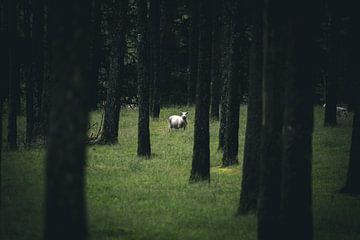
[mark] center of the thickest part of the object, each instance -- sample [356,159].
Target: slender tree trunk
[13,76]
[65,207]
[251,162]
[29,111]
[117,26]
[296,200]
[274,44]
[216,61]
[38,63]
[47,82]
[27,69]
[331,83]
[193,51]
[95,51]
[154,18]
[231,145]
[201,150]
[144,148]
[225,70]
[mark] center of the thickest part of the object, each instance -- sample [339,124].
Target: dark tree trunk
[231,144]
[117,27]
[251,162]
[27,69]
[47,82]
[193,51]
[201,150]
[38,63]
[13,76]
[216,61]
[154,18]
[144,148]
[331,82]
[271,140]
[65,207]
[225,70]
[167,48]
[352,184]
[296,198]
[95,51]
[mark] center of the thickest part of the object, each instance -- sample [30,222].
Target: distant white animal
[340,110]
[177,122]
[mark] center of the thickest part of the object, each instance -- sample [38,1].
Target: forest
[179,119]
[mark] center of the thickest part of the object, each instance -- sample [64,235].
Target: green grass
[134,198]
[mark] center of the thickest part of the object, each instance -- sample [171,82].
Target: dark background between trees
[61,60]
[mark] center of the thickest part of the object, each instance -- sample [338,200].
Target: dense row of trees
[65,58]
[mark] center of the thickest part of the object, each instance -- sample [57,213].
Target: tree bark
[154,18]
[251,162]
[117,27]
[37,73]
[144,148]
[274,44]
[296,199]
[95,51]
[193,51]
[225,70]
[331,82]
[201,150]
[352,184]
[216,61]
[65,207]
[13,76]
[47,83]
[231,144]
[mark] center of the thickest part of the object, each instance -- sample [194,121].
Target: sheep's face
[183,115]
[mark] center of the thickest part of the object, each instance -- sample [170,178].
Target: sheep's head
[183,115]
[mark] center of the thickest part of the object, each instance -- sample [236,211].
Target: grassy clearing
[133,198]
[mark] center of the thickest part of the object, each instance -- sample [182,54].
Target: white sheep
[177,122]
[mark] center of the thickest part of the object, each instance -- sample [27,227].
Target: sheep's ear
[186,113]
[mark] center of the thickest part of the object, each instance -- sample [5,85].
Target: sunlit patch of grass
[135,198]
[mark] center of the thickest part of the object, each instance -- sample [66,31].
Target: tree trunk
[296,199]
[231,144]
[47,82]
[38,63]
[225,70]
[352,184]
[251,162]
[13,76]
[274,45]
[27,70]
[65,207]
[154,18]
[143,149]
[216,61]
[117,27]
[201,150]
[331,83]
[193,51]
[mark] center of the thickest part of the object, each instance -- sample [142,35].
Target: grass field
[133,198]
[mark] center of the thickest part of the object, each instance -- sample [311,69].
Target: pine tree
[65,207]
[201,151]
[144,148]
[251,162]
[117,27]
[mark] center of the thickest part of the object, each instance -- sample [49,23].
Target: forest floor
[133,198]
